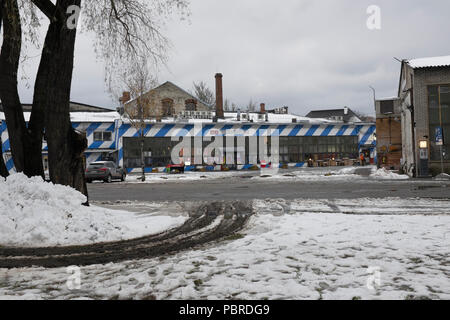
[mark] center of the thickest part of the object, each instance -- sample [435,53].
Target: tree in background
[251,106]
[125,31]
[364,117]
[138,83]
[204,94]
[227,105]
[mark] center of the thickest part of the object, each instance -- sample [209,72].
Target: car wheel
[108,179]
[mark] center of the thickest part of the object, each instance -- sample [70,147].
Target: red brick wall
[389,142]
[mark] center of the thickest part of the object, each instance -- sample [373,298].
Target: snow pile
[36,213]
[442,177]
[388,175]
[186,177]
[346,171]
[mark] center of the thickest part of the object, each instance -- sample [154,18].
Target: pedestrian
[362,159]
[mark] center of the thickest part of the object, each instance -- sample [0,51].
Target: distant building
[389,133]
[424,93]
[169,100]
[343,115]
[281,110]
[111,136]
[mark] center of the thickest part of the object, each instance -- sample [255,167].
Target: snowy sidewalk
[304,249]
[369,173]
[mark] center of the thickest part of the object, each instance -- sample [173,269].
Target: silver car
[104,171]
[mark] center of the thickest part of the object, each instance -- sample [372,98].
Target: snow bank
[188,176]
[36,213]
[345,171]
[373,172]
[388,175]
[442,177]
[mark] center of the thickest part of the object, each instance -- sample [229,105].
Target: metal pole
[374,98]
[442,128]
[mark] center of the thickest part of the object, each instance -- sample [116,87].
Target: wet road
[247,188]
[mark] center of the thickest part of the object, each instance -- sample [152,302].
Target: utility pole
[442,130]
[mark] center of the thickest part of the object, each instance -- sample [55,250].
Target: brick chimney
[263,108]
[219,97]
[125,97]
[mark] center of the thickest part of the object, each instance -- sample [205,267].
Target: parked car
[104,171]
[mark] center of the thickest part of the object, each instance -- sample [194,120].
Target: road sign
[439,137]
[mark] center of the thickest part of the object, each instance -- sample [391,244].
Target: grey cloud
[304,54]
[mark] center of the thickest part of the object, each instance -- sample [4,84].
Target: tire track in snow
[208,222]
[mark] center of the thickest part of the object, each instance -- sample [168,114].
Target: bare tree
[125,31]
[203,93]
[251,106]
[227,105]
[139,83]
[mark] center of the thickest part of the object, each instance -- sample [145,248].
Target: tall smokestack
[219,97]
[263,108]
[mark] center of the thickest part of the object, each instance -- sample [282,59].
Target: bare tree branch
[127,31]
[203,93]
[47,8]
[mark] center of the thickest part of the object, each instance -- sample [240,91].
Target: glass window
[98,136]
[103,136]
[439,116]
[107,136]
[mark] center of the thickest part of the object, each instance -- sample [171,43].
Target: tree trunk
[9,64]
[1,16]
[26,143]
[3,170]
[52,92]
[142,155]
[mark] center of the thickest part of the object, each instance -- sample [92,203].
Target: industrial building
[112,136]
[389,133]
[424,97]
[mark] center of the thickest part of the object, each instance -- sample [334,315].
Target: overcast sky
[305,54]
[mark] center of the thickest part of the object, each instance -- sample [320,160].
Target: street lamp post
[374,98]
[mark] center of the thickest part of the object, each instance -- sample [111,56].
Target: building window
[167,105]
[103,136]
[387,107]
[191,105]
[299,149]
[439,116]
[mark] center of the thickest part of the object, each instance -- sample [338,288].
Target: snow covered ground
[188,176]
[369,173]
[36,213]
[303,249]
[303,174]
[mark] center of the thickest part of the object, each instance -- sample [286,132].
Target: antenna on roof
[401,61]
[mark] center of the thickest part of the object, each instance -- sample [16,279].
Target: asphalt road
[238,188]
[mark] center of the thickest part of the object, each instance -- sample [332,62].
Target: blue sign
[439,137]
